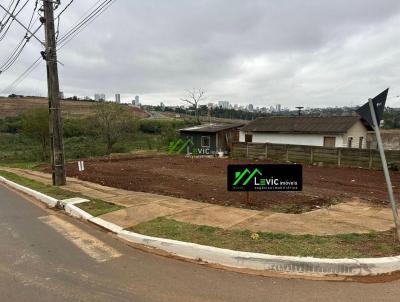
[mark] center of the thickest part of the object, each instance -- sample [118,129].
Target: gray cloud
[314,53]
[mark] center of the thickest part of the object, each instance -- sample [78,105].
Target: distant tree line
[391,116]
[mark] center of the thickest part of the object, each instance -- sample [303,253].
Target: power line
[91,16]
[17,52]
[58,18]
[68,37]
[87,18]
[5,14]
[4,23]
[12,16]
[21,45]
[23,76]
[64,9]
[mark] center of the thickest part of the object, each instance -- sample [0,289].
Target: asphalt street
[47,256]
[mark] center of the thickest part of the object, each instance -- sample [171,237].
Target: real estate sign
[265,177]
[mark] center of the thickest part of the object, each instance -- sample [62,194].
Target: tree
[35,125]
[112,122]
[194,97]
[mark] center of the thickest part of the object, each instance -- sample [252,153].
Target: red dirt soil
[204,179]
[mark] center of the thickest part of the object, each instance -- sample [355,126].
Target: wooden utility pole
[56,133]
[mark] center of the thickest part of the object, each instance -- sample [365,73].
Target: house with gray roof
[208,139]
[333,131]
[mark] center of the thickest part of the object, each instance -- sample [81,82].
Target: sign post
[385,169]
[372,113]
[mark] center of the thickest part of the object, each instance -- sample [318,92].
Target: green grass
[335,246]
[95,207]
[22,165]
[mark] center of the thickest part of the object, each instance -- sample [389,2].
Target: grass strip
[21,165]
[377,244]
[94,207]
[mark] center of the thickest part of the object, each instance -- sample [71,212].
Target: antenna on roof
[299,108]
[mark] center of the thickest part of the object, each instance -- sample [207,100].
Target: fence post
[370,159]
[266,151]
[311,156]
[287,153]
[247,150]
[339,154]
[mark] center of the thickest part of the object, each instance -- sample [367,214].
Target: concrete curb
[306,266]
[49,201]
[69,207]
[283,264]
[107,225]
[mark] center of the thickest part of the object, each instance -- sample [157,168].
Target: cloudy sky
[315,53]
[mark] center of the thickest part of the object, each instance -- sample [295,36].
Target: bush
[392,166]
[10,124]
[83,147]
[158,126]
[75,127]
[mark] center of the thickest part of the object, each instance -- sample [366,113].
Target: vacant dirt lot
[204,179]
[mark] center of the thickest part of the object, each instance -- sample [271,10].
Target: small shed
[209,139]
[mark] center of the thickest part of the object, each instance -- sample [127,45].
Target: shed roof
[302,124]
[211,128]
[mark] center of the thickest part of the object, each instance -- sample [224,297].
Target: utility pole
[56,133]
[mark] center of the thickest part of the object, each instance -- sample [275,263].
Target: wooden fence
[313,155]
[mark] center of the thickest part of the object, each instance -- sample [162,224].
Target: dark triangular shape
[379,105]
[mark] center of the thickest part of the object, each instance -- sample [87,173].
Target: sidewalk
[353,216]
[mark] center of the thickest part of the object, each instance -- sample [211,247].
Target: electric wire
[13,57]
[87,18]
[12,17]
[66,39]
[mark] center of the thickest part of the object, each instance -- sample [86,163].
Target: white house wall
[358,130]
[292,139]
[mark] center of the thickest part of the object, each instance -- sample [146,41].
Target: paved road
[46,256]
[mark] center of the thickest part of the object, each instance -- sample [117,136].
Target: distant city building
[136,102]
[278,107]
[223,104]
[250,107]
[236,107]
[99,97]
[61,95]
[210,105]
[117,98]
[162,106]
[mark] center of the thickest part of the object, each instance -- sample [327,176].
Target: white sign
[81,166]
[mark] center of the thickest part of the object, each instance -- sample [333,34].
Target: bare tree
[194,97]
[111,123]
